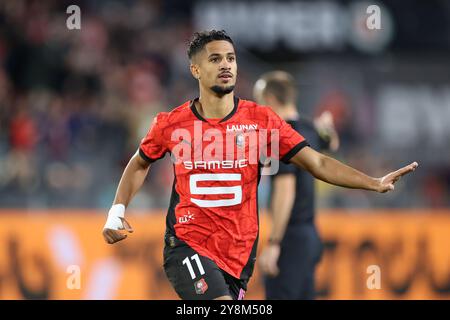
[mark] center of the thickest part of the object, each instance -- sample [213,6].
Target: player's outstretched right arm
[132,179]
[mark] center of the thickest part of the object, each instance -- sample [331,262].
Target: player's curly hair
[200,39]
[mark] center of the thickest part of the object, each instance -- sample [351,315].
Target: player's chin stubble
[221,91]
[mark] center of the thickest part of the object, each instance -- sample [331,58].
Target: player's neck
[213,107]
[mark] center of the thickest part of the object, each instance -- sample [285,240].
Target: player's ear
[195,70]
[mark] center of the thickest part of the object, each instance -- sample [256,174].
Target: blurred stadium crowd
[75,103]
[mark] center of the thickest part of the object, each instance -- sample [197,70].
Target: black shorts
[196,277]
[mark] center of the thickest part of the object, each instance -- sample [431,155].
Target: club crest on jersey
[240,140]
[241,127]
[200,286]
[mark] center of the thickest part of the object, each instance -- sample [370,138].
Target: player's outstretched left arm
[335,172]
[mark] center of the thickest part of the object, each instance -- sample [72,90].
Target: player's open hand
[387,182]
[114,233]
[268,260]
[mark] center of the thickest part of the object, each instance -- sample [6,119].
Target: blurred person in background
[294,248]
[211,239]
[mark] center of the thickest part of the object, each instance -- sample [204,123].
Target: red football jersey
[214,206]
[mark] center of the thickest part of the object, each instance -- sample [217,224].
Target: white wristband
[114,222]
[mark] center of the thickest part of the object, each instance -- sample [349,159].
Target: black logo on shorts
[200,286]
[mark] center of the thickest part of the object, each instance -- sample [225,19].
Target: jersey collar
[199,116]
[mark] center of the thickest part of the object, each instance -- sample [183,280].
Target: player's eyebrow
[218,54]
[213,55]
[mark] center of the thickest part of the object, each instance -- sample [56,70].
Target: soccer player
[294,248]
[212,221]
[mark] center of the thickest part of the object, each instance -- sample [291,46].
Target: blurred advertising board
[61,254]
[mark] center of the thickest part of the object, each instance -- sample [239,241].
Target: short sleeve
[153,146]
[289,140]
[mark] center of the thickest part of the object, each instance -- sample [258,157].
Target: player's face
[215,67]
